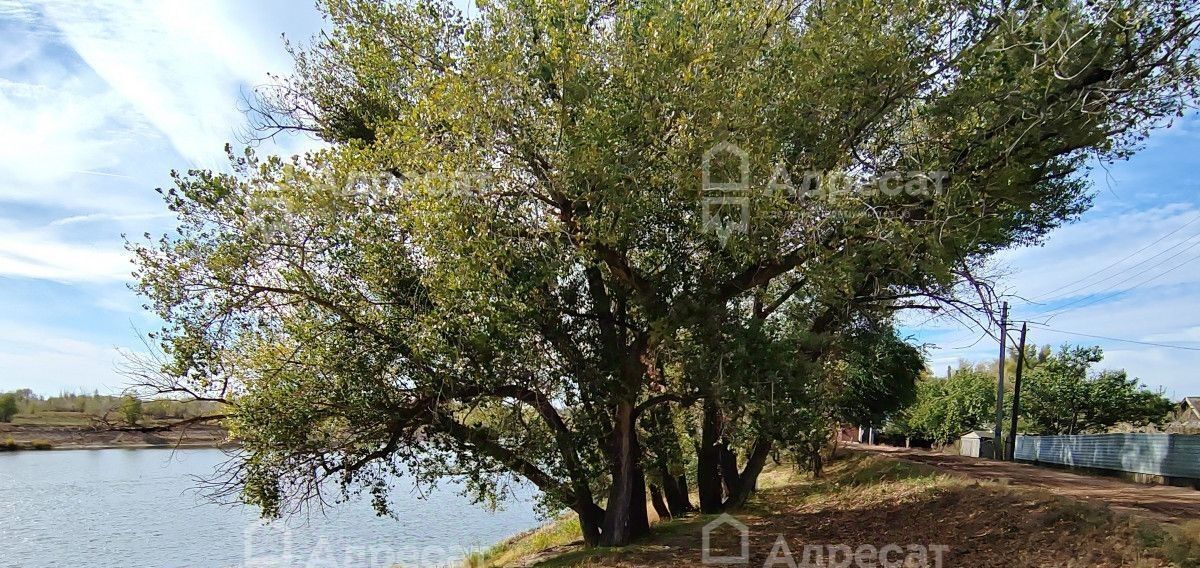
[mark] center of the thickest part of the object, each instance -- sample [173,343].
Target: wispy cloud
[108,217]
[180,64]
[99,104]
[45,254]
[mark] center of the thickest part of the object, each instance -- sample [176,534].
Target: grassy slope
[872,500]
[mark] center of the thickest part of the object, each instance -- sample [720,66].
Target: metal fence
[1168,455]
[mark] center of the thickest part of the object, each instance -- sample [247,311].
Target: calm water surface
[133,508]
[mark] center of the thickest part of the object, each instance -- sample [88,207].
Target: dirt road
[1167,504]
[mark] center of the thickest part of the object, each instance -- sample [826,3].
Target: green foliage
[131,410]
[879,377]
[1058,396]
[1061,397]
[948,408]
[8,407]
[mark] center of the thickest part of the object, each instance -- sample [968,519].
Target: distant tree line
[1061,393]
[96,407]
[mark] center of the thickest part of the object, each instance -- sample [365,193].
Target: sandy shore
[82,437]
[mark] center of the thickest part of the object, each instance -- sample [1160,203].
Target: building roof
[1192,402]
[979,434]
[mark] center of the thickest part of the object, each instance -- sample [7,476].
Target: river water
[133,508]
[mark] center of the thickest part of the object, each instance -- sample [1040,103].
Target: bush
[8,407]
[131,410]
[41,445]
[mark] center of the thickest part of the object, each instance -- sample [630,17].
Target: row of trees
[534,291]
[100,408]
[1061,394]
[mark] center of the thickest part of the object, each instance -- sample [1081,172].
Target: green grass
[560,532]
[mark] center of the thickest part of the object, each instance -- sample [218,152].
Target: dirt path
[1162,503]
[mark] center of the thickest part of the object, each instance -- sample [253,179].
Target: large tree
[945,409]
[524,300]
[1062,396]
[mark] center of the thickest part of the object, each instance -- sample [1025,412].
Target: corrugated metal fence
[1169,455]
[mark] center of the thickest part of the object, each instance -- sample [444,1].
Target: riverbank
[46,437]
[869,503]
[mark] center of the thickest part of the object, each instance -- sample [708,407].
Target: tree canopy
[1061,396]
[533,285]
[948,408]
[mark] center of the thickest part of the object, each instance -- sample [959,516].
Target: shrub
[8,407]
[131,410]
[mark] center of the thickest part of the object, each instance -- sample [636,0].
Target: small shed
[977,444]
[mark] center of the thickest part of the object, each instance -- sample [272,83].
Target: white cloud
[49,360]
[99,102]
[45,128]
[44,253]
[1062,268]
[180,64]
[108,217]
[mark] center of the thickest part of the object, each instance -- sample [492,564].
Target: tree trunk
[708,458]
[676,492]
[591,517]
[664,442]
[748,479]
[639,517]
[729,469]
[660,505]
[620,519]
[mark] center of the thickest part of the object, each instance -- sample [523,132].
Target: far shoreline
[32,438]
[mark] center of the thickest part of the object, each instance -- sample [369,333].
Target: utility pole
[997,434]
[1016,406]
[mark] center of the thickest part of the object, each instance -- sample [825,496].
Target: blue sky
[97,105]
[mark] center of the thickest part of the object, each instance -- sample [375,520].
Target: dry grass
[867,499]
[54,418]
[1178,544]
[10,445]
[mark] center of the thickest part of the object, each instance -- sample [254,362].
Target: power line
[1127,257]
[1066,307]
[1077,290]
[1152,344]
